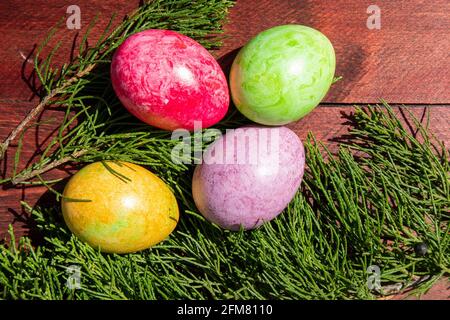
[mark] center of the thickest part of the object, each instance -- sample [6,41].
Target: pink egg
[168,80]
[248,176]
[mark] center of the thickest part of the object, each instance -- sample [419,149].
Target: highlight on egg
[119,207]
[248,176]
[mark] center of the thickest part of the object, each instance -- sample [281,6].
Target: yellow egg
[124,208]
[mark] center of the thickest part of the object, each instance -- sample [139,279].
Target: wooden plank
[25,24]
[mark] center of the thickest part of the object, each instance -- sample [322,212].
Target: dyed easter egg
[248,176]
[168,80]
[125,207]
[282,74]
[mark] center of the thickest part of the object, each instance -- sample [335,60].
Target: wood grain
[406,61]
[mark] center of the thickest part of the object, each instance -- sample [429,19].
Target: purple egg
[248,176]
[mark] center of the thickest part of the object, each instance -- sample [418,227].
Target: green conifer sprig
[355,210]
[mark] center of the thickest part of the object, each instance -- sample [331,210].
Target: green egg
[282,74]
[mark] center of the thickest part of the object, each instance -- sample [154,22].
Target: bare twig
[50,166]
[38,109]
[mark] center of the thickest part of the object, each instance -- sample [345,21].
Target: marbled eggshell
[119,215]
[283,73]
[245,184]
[168,80]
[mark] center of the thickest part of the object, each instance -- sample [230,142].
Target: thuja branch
[52,165]
[40,107]
[354,210]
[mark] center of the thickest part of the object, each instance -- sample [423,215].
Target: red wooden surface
[405,62]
